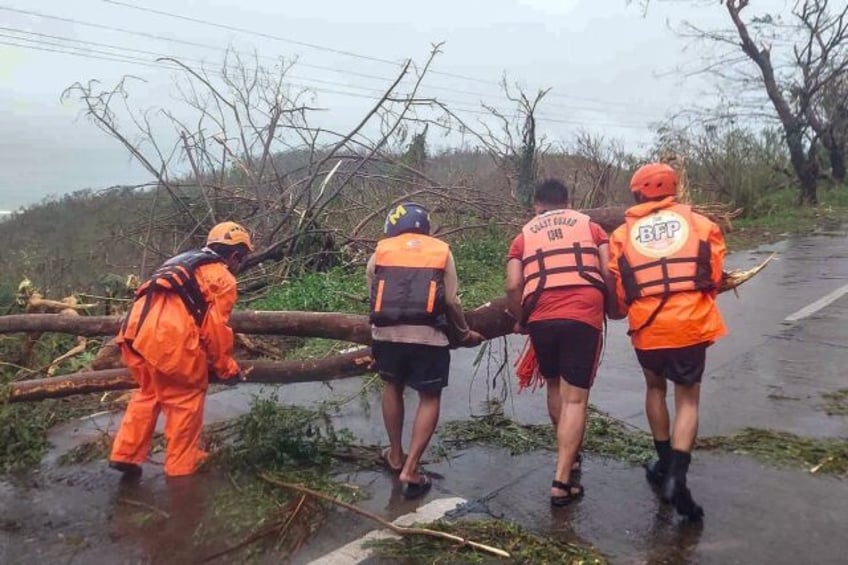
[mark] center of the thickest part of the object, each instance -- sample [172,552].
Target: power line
[60,47]
[92,54]
[147,35]
[334,50]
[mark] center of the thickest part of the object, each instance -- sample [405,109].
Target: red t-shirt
[581,303]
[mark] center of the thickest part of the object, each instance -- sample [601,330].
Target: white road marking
[355,552]
[822,302]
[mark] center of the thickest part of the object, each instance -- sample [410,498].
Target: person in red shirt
[557,281]
[667,261]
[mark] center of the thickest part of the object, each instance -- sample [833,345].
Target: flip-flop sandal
[419,489]
[384,457]
[565,500]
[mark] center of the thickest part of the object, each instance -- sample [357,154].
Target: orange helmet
[654,180]
[229,233]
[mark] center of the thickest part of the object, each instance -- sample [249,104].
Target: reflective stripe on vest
[559,250]
[177,275]
[409,281]
[664,254]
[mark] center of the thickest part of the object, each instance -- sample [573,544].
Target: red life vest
[409,281]
[559,250]
[177,275]
[664,254]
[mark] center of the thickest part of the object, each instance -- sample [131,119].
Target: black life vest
[177,275]
[409,281]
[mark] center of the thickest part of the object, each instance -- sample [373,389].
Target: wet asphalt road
[767,374]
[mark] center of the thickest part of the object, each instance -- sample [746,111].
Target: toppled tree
[491,320]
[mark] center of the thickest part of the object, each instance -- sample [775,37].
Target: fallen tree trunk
[331,325]
[491,320]
[281,372]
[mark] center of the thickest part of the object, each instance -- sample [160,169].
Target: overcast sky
[608,66]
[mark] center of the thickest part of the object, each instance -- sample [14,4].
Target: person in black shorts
[667,262]
[414,304]
[557,281]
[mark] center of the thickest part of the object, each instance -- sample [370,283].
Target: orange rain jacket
[170,356]
[680,295]
[172,342]
[560,250]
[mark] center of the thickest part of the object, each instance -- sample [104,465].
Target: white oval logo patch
[661,234]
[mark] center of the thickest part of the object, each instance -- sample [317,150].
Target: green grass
[522,545]
[836,402]
[337,290]
[777,215]
[609,437]
[604,436]
[782,449]
[481,266]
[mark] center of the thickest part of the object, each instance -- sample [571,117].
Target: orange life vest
[409,281]
[664,254]
[177,275]
[559,250]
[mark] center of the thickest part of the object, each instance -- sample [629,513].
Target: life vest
[177,275]
[664,254]
[409,281]
[559,250]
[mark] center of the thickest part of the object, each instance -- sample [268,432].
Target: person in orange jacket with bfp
[175,338]
[556,283]
[414,307]
[667,263]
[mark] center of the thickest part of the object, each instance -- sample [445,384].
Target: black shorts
[567,349]
[681,365]
[422,367]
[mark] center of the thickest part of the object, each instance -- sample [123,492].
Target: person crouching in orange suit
[174,335]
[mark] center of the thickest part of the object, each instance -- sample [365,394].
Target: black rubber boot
[128,469]
[656,471]
[676,492]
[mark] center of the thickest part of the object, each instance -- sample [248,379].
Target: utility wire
[85,52]
[324,48]
[464,92]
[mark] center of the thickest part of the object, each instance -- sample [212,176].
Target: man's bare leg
[393,410]
[656,410]
[554,400]
[426,419]
[572,425]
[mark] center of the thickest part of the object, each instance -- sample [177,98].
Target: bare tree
[600,166]
[797,84]
[241,146]
[512,141]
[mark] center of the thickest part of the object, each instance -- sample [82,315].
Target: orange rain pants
[169,356]
[183,408]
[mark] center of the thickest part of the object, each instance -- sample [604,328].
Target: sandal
[574,492]
[577,466]
[384,458]
[419,489]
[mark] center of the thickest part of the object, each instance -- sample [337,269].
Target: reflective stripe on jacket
[664,254]
[559,250]
[409,281]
